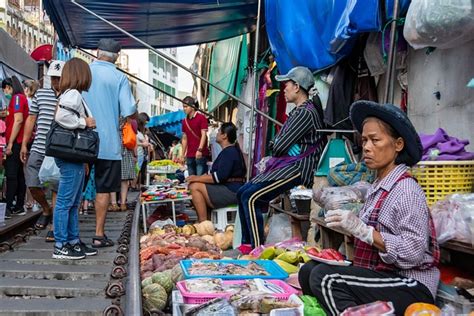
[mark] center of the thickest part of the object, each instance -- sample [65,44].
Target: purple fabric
[279,162]
[450,148]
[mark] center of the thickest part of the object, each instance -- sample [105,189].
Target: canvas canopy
[159,23]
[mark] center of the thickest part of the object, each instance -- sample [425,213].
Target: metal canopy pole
[392,56]
[255,96]
[175,62]
[157,88]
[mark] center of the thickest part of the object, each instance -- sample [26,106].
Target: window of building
[161,63]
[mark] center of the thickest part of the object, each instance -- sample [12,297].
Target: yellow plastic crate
[441,178]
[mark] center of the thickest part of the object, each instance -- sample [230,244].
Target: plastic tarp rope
[223,73]
[317,34]
[159,23]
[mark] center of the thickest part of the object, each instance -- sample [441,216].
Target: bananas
[287,267]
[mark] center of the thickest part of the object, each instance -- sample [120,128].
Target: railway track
[32,283]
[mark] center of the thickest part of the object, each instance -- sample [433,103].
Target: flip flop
[101,242]
[43,221]
[49,236]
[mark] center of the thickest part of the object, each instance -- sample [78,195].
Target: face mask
[8,97]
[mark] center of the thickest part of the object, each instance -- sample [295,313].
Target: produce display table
[145,206]
[296,219]
[459,246]
[151,172]
[333,237]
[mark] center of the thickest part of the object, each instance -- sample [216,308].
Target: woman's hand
[90,122]
[192,179]
[351,223]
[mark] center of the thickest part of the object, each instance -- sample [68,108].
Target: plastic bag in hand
[49,171]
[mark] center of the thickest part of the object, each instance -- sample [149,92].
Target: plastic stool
[220,216]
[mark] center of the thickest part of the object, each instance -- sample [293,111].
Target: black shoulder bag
[79,145]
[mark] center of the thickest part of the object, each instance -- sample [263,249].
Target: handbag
[129,138]
[78,145]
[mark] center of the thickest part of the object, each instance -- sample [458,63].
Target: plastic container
[303,206]
[441,178]
[199,298]
[461,304]
[273,269]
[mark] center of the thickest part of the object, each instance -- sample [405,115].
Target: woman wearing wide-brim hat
[396,251]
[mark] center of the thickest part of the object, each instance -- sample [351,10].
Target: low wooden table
[333,238]
[296,219]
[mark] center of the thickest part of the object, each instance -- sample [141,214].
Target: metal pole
[133,305]
[254,94]
[392,55]
[157,88]
[175,62]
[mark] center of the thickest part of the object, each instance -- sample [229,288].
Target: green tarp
[226,70]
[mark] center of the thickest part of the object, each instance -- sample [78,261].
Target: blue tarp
[317,34]
[169,122]
[159,23]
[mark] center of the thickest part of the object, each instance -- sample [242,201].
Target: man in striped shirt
[296,151]
[41,114]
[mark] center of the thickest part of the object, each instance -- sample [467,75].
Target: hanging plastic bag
[439,23]
[280,228]
[49,172]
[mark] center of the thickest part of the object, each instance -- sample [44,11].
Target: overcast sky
[186,56]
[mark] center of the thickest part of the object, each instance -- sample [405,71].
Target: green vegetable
[311,306]
[154,297]
[163,279]
[147,281]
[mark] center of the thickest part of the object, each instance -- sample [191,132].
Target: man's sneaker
[88,251]
[8,214]
[67,252]
[19,212]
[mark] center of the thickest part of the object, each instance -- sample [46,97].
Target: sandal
[123,207]
[43,221]
[113,208]
[49,236]
[101,242]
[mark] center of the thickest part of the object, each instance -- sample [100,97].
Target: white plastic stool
[220,216]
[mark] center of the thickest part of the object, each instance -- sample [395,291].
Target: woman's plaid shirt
[404,226]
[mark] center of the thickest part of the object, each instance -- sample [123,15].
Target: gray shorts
[220,195]
[33,166]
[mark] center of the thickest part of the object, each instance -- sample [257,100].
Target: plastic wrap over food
[439,23]
[454,218]
[332,198]
[216,307]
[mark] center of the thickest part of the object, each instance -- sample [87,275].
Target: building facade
[157,71]
[26,22]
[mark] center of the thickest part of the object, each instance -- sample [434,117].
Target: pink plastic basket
[200,298]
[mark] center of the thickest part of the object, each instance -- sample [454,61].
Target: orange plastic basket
[441,178]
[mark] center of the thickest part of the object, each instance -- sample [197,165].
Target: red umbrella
[43,52]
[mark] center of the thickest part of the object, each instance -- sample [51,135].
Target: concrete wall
[447,71]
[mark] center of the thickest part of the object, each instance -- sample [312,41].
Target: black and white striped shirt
[300,129]
[43,106]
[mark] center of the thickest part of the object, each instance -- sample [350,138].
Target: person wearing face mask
[15,122]
[218,188]
[296,152]
[396,251]
[7,92]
